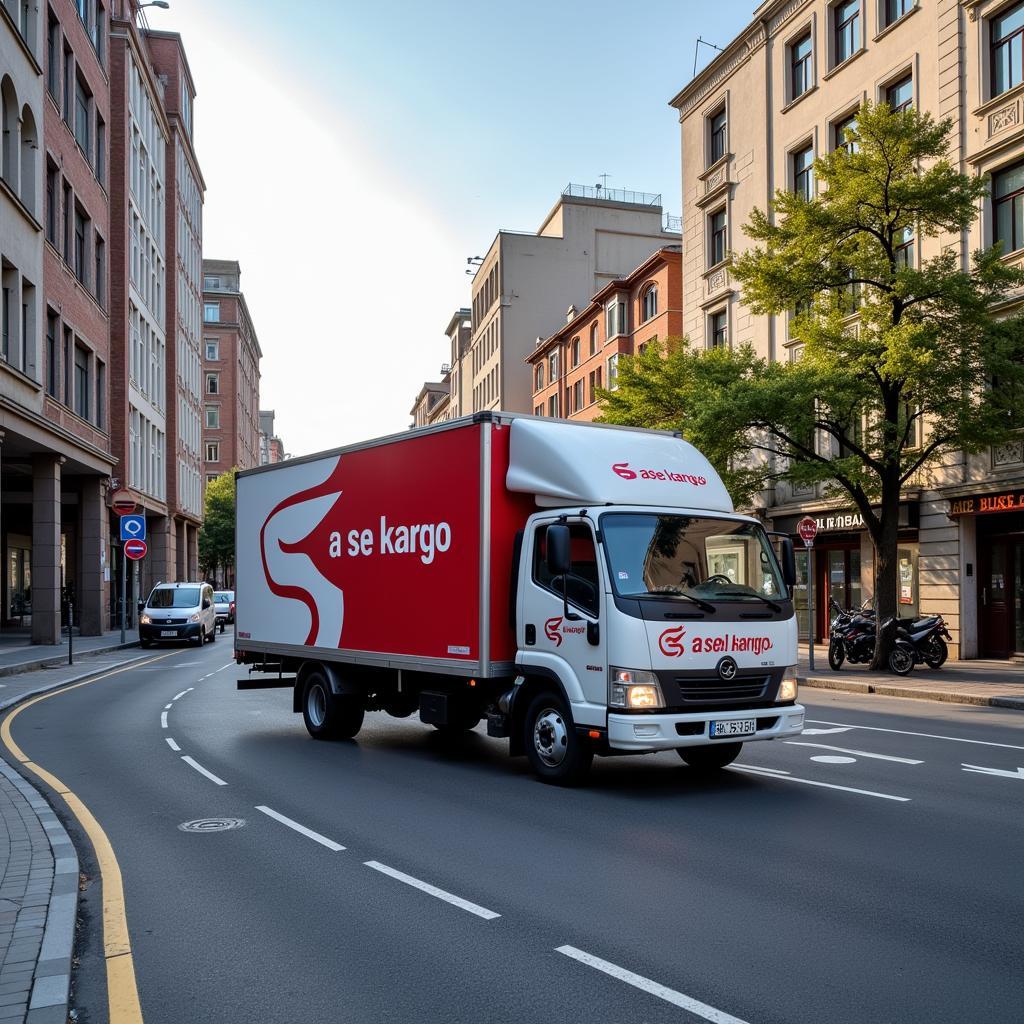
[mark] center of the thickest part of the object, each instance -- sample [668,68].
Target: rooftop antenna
[604,181]
[696,50]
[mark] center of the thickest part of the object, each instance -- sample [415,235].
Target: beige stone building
[752,122]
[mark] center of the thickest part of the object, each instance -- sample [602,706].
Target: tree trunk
[886,544]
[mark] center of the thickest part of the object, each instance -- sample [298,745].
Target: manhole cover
[212,824]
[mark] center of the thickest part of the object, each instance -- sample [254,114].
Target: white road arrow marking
[1017,773]
[824,732]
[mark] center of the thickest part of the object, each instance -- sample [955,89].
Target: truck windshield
[700,557]
[178,597]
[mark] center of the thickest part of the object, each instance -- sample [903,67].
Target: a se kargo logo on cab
[670,643]
[554,630]
[623,470]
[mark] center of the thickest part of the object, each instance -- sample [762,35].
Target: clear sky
[355,155]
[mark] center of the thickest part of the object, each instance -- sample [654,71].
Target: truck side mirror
[559,553]
[788,563]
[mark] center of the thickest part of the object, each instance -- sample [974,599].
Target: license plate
[168,632]
[734,727]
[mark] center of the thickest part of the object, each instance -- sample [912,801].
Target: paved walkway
[18,654]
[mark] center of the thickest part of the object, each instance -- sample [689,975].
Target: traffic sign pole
[124,588]
[808,530]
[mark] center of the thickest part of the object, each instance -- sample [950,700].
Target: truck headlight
[635,688]
[788,686]
[144,620]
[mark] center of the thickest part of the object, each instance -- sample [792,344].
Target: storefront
[840,564]
[999,536]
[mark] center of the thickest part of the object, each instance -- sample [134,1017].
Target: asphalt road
[870,871]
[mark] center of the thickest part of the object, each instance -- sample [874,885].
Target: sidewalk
[18,654]
[986,683]
[39,871]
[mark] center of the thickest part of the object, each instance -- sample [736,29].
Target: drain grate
[212,824]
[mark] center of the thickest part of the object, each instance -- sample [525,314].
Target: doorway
[1001,597]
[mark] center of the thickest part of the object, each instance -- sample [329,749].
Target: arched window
[9,157]
[649,303]
[538,377]
[29,158]
[593,337]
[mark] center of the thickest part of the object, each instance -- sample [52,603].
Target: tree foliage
[904,360]
[217,534]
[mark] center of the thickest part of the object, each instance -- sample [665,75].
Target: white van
[178,611]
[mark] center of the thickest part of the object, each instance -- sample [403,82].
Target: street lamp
[162,4]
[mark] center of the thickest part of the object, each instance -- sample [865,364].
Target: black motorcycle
[927,634]
[852,638]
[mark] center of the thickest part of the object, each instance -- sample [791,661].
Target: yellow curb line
[122,991]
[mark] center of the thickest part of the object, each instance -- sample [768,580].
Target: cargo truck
[584,589]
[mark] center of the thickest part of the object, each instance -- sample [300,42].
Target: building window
[553,366]
[66,363]
[82,382]
[895,9]
[717,247]
[52,369]
[212,350]
[101,394]
[82,133]
[53,57]
[67,222]
[212,452]
[649,303]
[1006,40]
[613,372]
[717,128]
[100,282]
[803,172]
[841,139]
[553,405]
[538,377]
[574,351]
[595,383]
[80,246]
[900,95]
[1008,207]
[593,338]
[213,417]
[800,71]
[213,383]
[846,15]
[905,248]
[52,183]
[101,149]
[211,284]
[718,329]
[538,410]
[615,317]
[577,395]
[211,312]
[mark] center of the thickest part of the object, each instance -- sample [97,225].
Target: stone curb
[885,690]
[57,660]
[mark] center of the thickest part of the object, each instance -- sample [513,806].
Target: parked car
[224,606]
[178,611]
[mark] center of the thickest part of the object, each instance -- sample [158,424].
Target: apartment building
[569,367]
[432,404]
[183,218]
[271,446]
[752,122]
[231,373]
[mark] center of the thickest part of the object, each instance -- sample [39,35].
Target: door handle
[984,597]
[531,634]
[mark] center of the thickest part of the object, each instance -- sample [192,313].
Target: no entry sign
[135,549]
[122,502]
[808,530]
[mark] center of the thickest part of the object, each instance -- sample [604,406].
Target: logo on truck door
[671,642]
[554,630]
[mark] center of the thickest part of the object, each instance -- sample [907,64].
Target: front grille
[168,622]
[749,688]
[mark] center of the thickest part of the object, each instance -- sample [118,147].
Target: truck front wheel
[710,758]
[329,717]
[555,752]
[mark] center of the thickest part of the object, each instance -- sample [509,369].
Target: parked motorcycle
[852,638]
[927,634]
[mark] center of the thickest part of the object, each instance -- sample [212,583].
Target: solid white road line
[163,719]
[694,1006]
[172,744]
[823,732]
[823,785]
[167,707]
[1012,773]
[193,763]
[182,694]
[859,753]
[455,901]
[769,771]
[307,832]
[926,735]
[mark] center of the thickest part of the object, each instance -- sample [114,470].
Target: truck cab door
[573,645]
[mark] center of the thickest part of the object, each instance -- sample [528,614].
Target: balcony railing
[612,195]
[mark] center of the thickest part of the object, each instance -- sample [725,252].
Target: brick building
[751,122]
[568,368]
[231,373]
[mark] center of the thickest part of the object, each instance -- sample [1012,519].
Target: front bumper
[641,733]
[155,631]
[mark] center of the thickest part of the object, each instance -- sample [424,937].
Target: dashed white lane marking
[178,696]
[859,753]
[221,669]
[167,707]
[163,719]
[186,664]
[1012,773]
[824,732]
[925,735]
[813,782]
[455,901]
[171,743]
[301,829]
[193,763]
[833,759]
[688,1003]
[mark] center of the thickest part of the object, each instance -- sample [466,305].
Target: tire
[710,758]
[836,655]
[556,753]
[901,660]
[145,644]
[936,653]
[213,635]
[329,717]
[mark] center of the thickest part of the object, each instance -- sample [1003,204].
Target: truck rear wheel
[555,752]
[710,758]
[327,716]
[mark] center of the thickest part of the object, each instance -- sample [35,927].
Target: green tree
[904,361]
[217,534]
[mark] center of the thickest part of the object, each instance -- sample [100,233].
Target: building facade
[752,122]
[626,315]
[271,446]
[231,373]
